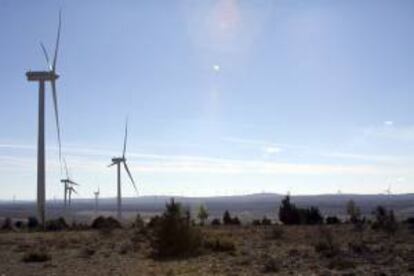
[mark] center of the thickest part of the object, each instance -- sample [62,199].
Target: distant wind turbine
[67,182]
[117,161]
[388,190]
[41,77]
[96,200]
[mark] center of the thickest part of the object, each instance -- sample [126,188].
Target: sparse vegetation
[220,244]
[326,244]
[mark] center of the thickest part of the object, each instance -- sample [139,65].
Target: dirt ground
[289,250]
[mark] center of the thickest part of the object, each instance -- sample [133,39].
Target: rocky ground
[247,250]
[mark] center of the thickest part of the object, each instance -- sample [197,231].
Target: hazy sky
[223,97]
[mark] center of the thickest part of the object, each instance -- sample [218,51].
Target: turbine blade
[57,42]
[110,165]
[66,168]
[46,55]
[130,176]
[73,183]
[55,104]
[125,138]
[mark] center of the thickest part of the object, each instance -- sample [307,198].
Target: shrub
[409,220]
[139,222]
[266,221]
[385,220]
[35,256]
[7,225]
[216,222]
[235,221]
[256,222]
[32,223]
[105,223]
[56,224]
[333,220]
[154,221]
[311,216]
[174,235]
[228,220]
[19,224]
[220,244]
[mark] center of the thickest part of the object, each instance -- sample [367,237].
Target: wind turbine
[67,182]
[41,77]
[118,161]
[388,190]
[96,199]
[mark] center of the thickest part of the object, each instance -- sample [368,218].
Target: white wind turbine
[118,161]
[67,182]
[41,77]
[96,194]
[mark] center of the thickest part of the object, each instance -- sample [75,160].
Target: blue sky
[224,97]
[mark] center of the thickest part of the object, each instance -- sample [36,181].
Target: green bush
[174,235]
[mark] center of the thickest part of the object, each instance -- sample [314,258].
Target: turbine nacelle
[117,160]
[41,76]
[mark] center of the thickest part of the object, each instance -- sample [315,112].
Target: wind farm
[222,137]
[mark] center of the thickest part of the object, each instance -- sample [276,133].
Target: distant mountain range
[246,207]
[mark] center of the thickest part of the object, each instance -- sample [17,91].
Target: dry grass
[241,251]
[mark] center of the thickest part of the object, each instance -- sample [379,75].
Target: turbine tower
[118,161]
[96,200]
[42,77]
[67,182]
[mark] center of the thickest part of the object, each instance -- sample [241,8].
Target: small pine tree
[227,220]
[202,214]
[174,235]
[353,212]
[288,213]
